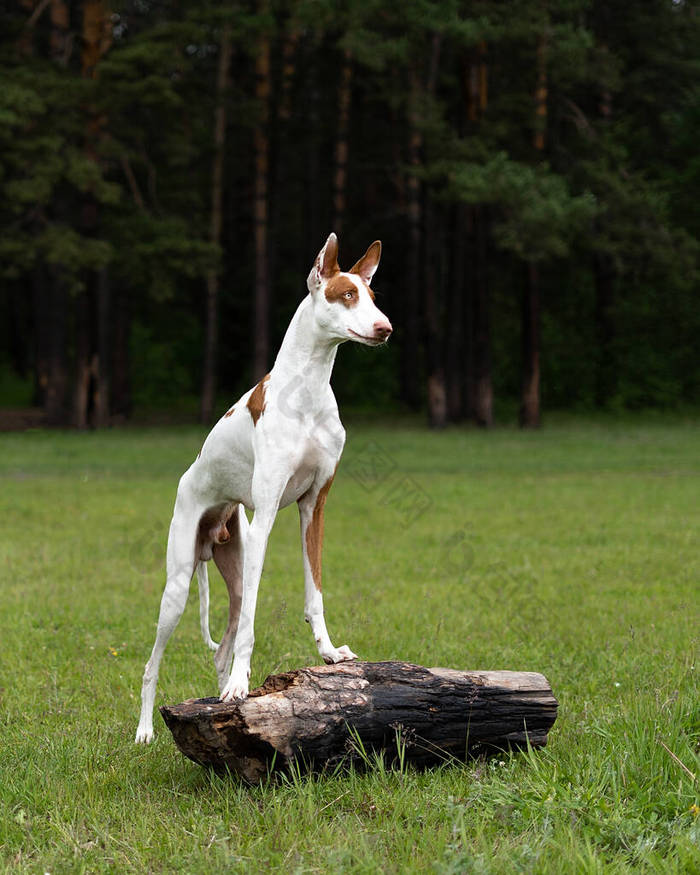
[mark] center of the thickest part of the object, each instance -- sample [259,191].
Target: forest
[169,170]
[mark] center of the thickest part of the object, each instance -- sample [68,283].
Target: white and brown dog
[280,443]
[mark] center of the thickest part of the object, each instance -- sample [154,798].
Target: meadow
[572,551]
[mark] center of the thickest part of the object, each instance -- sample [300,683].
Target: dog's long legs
[311,509]
[268,483]
[229,560]
[203,581]
[180,566]
[253,557]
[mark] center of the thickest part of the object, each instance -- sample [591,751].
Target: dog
[280,443]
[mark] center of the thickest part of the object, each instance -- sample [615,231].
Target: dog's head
[343,300]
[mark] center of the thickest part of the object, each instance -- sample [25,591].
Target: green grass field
[572,551]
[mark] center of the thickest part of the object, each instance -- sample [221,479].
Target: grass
[572,551]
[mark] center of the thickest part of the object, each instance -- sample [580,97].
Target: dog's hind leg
[229,560]
[181,560]
[203,580]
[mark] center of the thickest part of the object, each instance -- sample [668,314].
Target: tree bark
[323,716]
[530,321]
[605,382]
[283,180]
[340,170]
[92,356]
[211,322]
[605,366]
[120,394]
[83,363]
[530,416]
[482,391]
[411,340]
[104,353]
[261,326]
[61,39]
[49,306]
[477,84]
[457,338]
[477,308]
[312,192]
[433,284]
[541,94]
[434,348]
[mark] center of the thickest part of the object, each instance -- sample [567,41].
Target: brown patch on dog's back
[229,412]
[256,401]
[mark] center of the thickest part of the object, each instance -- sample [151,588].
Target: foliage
[539,219]
[108,173]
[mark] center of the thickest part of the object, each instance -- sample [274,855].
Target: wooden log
[320,716]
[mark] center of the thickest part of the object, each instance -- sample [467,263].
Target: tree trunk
[541,94]
[211,324]
[477,307]
[97,37]
[18,328]
[120,395]
[605,378]
[434,347]
[411,340]
[83,360]
[49,305]
[482,391]
[325,716]
[282,218]
[456,337]
[530,329]
[477,84]
[92,356]
[104,353]
[261,326]
[605,366]
[433,283]
[60,40]
[530,393]
[340,171]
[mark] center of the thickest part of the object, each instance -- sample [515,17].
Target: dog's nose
[382,329]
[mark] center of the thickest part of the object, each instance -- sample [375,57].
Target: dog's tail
[203,580]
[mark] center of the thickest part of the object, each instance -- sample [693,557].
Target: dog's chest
[312,461]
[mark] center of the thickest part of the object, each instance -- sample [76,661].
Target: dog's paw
[339,654]
[211,644]
[144,734]
[236,689]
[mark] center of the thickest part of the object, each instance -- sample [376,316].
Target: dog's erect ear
[326,264]
[369,262]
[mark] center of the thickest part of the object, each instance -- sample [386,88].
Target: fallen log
[318,717]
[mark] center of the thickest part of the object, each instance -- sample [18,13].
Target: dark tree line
[169,170]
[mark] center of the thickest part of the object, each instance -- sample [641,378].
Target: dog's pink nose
[382,329]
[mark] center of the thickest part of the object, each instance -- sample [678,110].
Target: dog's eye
[348,295]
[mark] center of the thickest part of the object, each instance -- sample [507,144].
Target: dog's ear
[326,264]
[369,262]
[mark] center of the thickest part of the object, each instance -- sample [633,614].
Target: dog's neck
[307,353]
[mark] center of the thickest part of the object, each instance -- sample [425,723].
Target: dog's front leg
[269,480]
[311,510]
[253,558]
